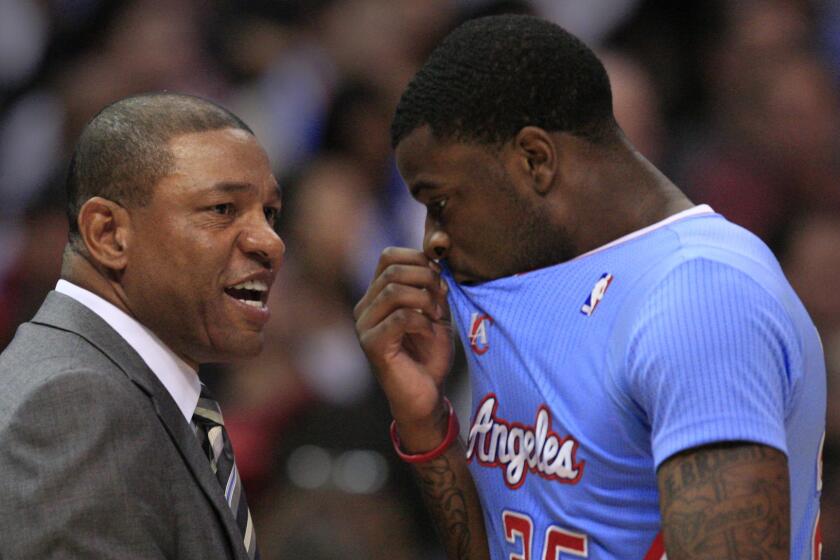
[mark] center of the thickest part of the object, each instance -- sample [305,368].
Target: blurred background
[737,101]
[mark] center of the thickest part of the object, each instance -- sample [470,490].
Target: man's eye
[271,214]
[225,209]
[435,207]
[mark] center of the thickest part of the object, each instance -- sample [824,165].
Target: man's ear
[537,153]
[104,227]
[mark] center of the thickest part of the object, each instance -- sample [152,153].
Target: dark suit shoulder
[78,442]
[41,355]
[97,459]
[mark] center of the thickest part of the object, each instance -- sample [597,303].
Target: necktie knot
[207,410]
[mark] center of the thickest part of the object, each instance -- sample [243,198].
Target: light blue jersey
[587,375]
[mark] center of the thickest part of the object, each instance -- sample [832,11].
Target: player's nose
[436,244]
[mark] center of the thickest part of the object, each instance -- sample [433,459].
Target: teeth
[252,303]
[256,285]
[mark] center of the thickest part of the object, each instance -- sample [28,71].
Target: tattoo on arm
[726,501]
[448,505]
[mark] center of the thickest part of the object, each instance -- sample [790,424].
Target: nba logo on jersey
[597,294]
[478,333]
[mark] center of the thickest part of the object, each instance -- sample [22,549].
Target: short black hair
[123,151]
[494,75]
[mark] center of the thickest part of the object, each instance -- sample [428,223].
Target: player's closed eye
[271,214]
[436,207]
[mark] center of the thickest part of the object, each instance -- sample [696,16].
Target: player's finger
[389,332]
[398,296]
[400,255]
[439,297]
[410,275]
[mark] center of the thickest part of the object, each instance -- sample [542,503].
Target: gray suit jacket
[96,459]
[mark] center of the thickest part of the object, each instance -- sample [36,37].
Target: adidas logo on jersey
[478,333]
[597,294]
[518,449]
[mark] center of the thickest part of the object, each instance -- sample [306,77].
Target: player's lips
[250,294]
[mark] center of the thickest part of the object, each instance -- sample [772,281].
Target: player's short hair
[123,151]
[494,75]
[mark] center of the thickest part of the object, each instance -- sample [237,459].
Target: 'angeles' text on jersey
[517,448]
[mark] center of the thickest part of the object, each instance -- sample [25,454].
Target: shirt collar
[698,210]
[179,379]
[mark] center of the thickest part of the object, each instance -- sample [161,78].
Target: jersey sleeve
[711,357]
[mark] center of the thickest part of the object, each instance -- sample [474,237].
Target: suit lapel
[65,313]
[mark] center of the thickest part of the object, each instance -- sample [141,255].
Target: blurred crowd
[738,101]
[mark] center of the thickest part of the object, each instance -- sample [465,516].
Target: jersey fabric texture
[587,375]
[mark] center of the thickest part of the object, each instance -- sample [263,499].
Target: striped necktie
[210,430]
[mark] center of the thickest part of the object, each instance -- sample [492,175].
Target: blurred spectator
[636,105]
[830,510]
[34,263]
[592,21]
[23,40]
[335,525]
[311,356]
[357,130]
[812,262]
[379,41]
[828,18]
[773,151]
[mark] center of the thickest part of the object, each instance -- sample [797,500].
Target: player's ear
[104,227]
[537,154]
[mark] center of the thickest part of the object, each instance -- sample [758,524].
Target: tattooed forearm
[447,504]
[451,498]
[726,501]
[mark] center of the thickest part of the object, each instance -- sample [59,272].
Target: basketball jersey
[588,374]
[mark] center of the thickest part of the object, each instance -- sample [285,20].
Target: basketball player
[644,378]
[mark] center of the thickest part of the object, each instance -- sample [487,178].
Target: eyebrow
[233,187]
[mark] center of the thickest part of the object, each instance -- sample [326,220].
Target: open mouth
[251,292]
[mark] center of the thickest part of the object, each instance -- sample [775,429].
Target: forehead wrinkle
[234,187]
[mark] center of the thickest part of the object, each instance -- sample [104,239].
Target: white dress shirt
[175,374]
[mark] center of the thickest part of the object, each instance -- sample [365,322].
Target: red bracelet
[451,433]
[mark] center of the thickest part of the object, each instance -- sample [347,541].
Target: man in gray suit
[110,447]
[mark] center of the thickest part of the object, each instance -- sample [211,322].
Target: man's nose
[436,244]
[262,242]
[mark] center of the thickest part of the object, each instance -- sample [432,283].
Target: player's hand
[404,328]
